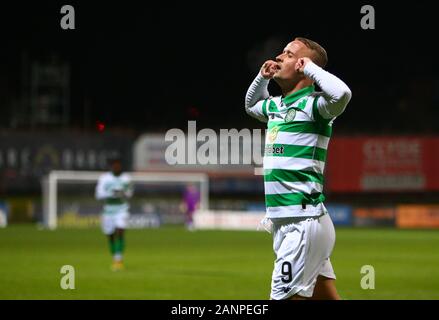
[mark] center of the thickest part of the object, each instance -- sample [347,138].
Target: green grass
[171,263]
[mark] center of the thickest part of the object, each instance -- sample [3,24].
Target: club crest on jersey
[291,114]
[272,134]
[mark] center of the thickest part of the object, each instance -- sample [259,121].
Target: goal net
[69,198]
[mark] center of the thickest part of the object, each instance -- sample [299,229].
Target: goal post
[51,182]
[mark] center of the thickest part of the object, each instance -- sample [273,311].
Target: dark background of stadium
[148,67]
[138,67]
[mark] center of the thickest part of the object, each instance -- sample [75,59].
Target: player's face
[287,61]
[116,167]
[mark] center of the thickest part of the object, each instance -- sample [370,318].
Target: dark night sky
[145,67]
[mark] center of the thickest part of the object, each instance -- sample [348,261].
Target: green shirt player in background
[114,189]
[299,128]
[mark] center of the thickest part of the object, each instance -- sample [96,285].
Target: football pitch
[172,263]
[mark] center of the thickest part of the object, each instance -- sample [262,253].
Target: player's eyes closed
[288,53]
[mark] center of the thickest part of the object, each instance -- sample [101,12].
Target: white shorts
[111,222]
[302,247]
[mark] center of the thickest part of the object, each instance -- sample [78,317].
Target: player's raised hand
[268,69]
[301,63]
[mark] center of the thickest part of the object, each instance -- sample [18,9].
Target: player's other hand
[118,194]
[301,63]
[268,69]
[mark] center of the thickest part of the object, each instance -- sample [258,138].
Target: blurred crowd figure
[190,203]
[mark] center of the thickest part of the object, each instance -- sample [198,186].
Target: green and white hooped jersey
[107,185]
[295,154]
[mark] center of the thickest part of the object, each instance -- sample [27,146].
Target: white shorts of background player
[112,221]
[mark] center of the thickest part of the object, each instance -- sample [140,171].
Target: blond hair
[320,56]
